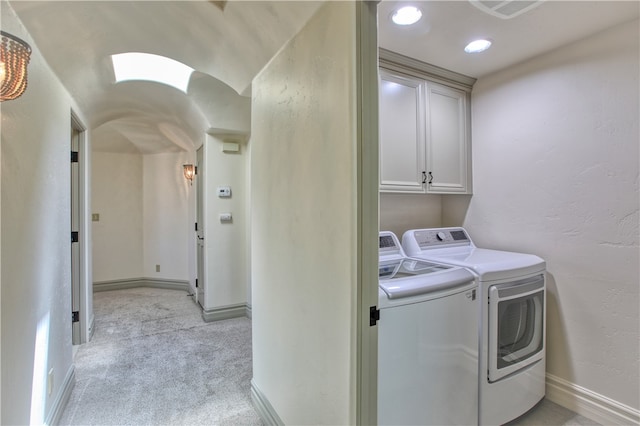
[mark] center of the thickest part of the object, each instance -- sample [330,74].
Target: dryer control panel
[441,237]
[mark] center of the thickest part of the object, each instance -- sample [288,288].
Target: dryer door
[516,326]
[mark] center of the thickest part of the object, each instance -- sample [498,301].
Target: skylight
[148,67]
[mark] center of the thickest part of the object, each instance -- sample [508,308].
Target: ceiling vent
[506,9]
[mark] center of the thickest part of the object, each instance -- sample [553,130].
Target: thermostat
[224,191]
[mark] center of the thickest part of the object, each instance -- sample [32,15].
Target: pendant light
[14,58]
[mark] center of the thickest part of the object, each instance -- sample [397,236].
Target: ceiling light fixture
[407,15]
[14,58]
[148,67]
[478,46]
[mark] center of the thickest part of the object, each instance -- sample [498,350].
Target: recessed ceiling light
[406,15]
[148,67]
[477,46]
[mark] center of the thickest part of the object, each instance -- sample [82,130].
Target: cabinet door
[448,147]
[401,134]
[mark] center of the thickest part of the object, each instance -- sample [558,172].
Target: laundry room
[554,143]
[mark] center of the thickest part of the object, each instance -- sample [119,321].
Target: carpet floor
[154,361]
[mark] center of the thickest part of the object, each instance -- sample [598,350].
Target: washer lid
[411,277]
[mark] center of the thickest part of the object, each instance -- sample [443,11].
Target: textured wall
[401,212]
[167,236]
[36,245]
[117,198]
[146,217]
[555,143]
[226,273]
[303,222]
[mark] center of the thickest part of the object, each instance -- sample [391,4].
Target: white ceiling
[228,43]
[446,27]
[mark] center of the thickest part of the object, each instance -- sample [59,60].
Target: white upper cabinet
[448,145]
[402,136]
[425,143]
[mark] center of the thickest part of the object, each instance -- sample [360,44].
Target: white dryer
[427,341]
[512,318]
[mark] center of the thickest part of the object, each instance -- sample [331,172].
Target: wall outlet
[50,382]
[95,217]
[157,268]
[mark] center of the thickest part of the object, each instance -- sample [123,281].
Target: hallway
[153,360]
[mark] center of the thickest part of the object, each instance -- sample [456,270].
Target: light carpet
[154,361]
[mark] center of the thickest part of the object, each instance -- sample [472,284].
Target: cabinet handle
[424,177]
[430,178]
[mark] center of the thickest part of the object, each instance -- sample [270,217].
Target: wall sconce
[189,172]
[14,58]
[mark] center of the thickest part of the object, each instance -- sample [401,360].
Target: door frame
[201,247]
[84,289]
[367,210]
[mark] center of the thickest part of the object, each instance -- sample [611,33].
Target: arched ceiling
[227,43]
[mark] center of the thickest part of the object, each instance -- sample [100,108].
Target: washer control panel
[431,238]
[389,244]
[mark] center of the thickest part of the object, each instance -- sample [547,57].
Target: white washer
[427,341]
[512,318]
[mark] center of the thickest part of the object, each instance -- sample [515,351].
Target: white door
[200,279]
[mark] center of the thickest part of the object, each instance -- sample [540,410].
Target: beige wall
[117,198]
[168,218]
[146,217]
[36,244]
[401,212]
[555,144]
[226,252]
[303,223]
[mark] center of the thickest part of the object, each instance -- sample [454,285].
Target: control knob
[441,236]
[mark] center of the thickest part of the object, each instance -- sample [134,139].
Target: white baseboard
[590,404]
[248,311]
[224,312]
[263,407]
[59,404]
[140,282]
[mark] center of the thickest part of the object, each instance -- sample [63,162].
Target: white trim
[140,282]
[224,312]
[396,62]
[248,311]
[590,404]
[60,403]
[263,407]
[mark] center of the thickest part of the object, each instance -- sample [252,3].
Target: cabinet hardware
[430,178]
[424,177]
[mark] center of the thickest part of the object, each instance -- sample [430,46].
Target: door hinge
[374,315]
[196,283]
[196,226]
[74,236]
[75,316]
[195,170]
[74,156]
